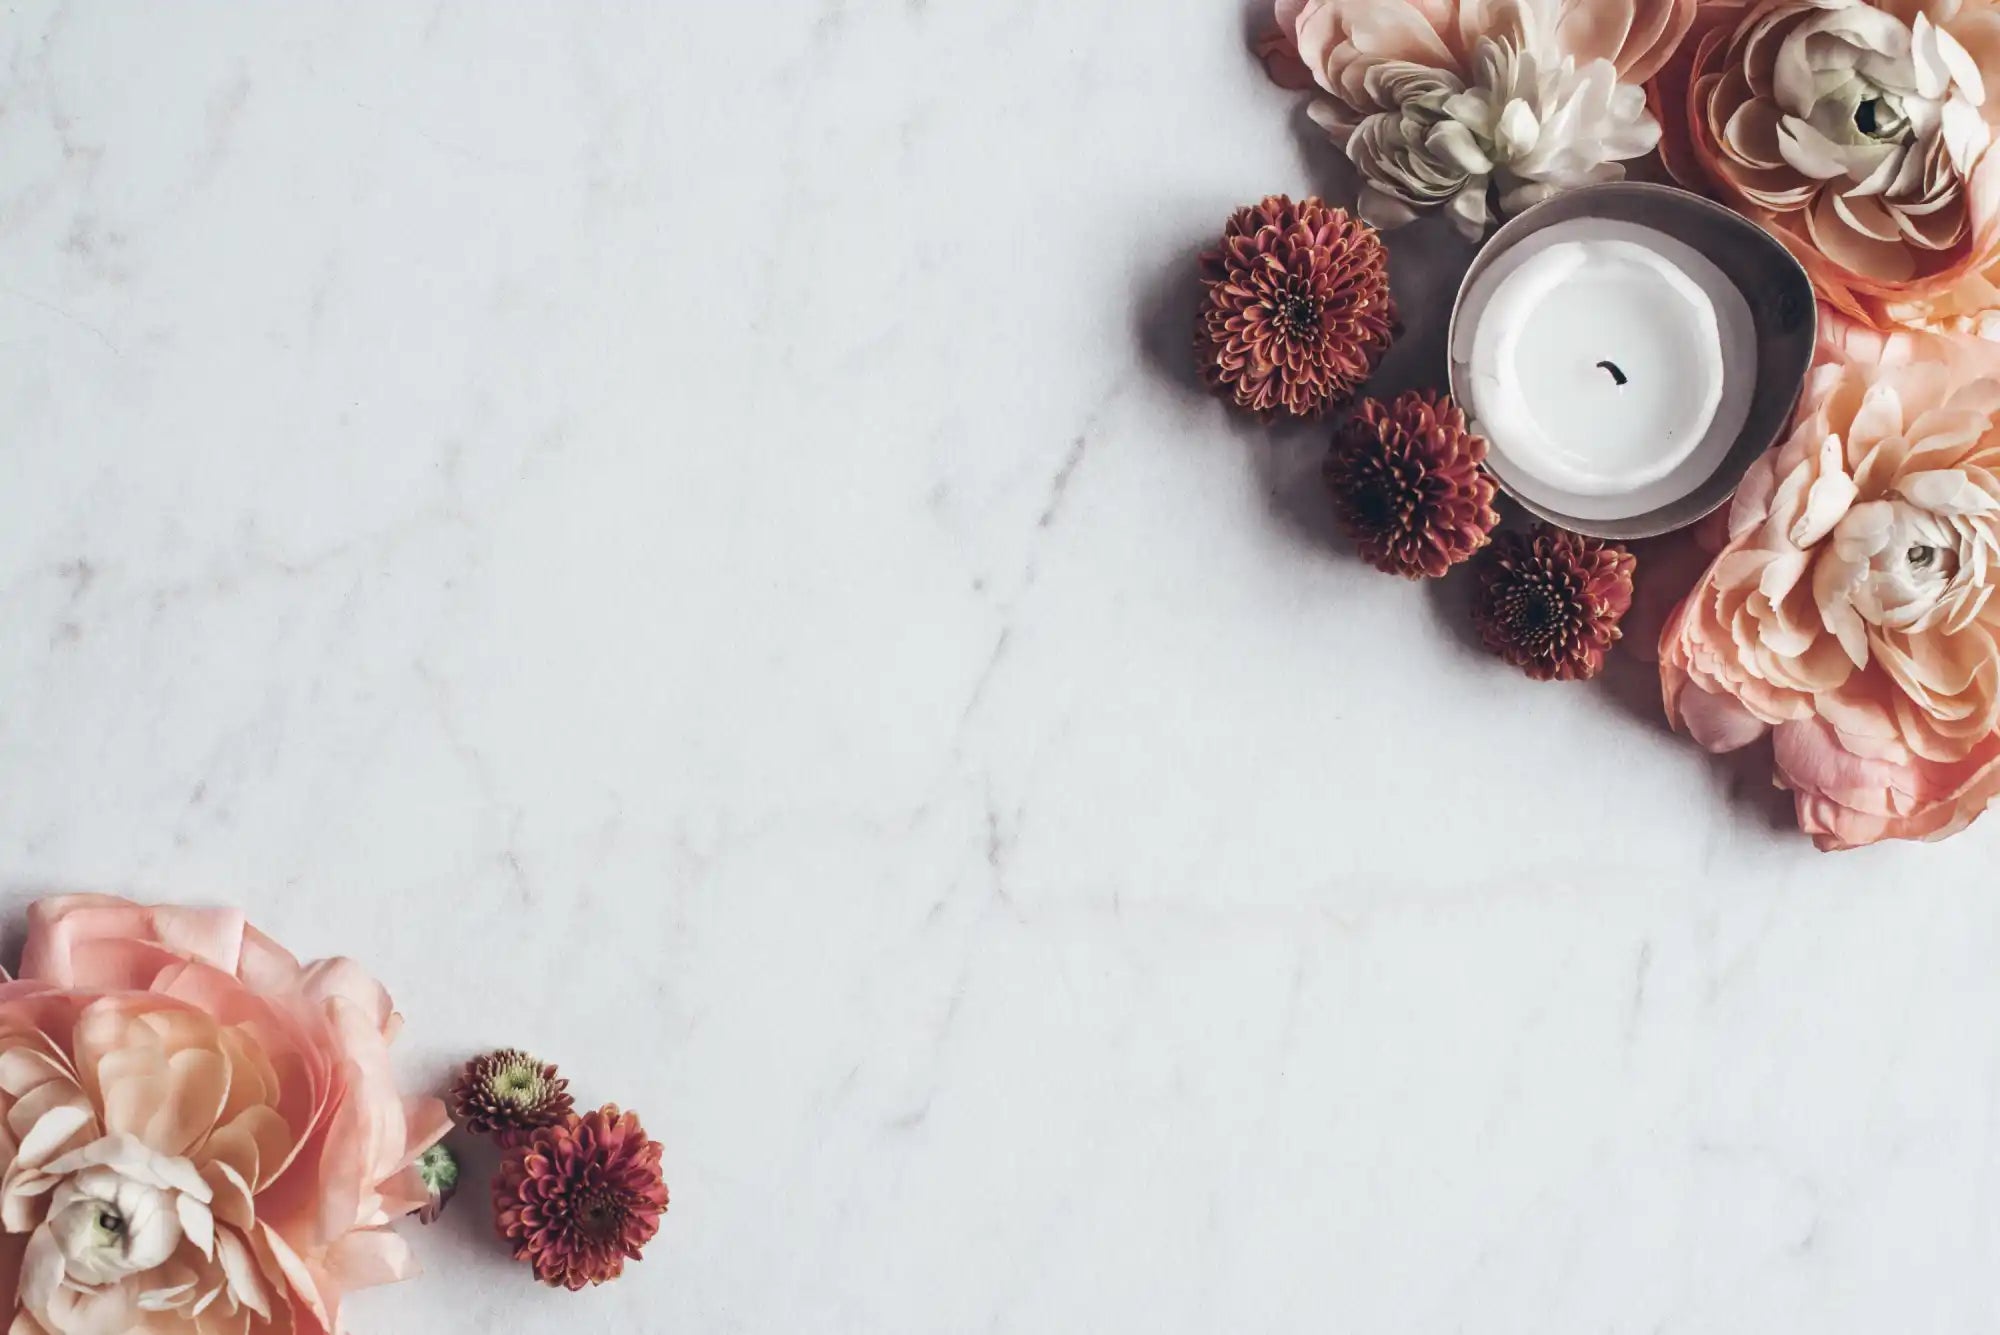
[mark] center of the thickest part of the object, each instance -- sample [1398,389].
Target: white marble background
[683,536]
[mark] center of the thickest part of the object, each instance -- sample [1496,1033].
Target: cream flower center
[1912,559]
[117,1210]
[1923,558]
[109,1226]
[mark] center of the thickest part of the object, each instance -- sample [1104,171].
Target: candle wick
[1616,374]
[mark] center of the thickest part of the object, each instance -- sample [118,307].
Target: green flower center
[517,1085]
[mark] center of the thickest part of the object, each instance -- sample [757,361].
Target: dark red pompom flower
[579,1199]
[1298,310]
[1550,601]
[1407,484]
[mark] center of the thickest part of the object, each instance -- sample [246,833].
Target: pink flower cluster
[1850,615]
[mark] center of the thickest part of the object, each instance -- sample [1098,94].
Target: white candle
[1609,365]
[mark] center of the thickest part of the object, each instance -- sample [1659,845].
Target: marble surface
[684,536]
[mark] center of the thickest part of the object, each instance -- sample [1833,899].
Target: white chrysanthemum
[1528,125]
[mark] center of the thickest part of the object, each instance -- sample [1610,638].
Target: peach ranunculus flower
[1851,612]
[1462,107]
[198,1134]
[1857,132]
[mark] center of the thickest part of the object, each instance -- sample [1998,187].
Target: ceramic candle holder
[1628,350]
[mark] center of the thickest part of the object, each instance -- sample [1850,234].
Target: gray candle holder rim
[1783,312]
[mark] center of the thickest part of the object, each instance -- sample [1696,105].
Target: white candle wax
[1609,366]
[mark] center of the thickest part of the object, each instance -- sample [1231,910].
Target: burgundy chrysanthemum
[1407,484]
[508,1093]
[1298,310]
[1550,601]
[579,1199]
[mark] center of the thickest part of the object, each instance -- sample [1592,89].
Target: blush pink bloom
[198,1134]
[1851,611]
[1857,132]
[1340,41]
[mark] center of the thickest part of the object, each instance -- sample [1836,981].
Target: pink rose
[197,1133]
[1851,609]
